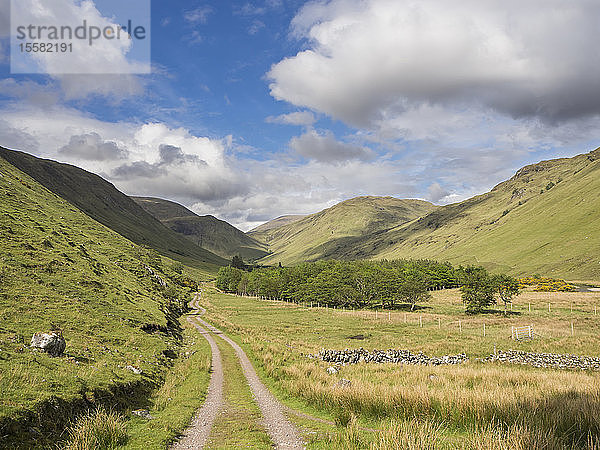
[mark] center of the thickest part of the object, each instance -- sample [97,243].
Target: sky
[252,110]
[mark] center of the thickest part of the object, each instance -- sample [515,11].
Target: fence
[520,333]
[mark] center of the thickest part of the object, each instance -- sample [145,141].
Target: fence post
[421,321]
[529,307]
[390,316]
[548,306]
[483,329]
[460,326]
[572,330]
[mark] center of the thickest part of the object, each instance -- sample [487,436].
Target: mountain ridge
[103,202]
[206,231]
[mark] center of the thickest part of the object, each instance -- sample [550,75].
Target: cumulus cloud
[436,192]
[107,68]
[305,118]
[325,148]
[93,148]
[369,61]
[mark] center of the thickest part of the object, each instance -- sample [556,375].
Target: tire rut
[283,434]
[197,434]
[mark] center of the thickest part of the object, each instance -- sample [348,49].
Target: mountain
[545,219]
[276,223]
[100,200]
[331,232]
[207,232]
[62,270]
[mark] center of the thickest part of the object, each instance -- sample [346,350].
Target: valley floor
[474,405]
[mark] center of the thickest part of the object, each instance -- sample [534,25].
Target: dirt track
[282,433]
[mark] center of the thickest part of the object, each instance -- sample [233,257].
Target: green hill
[207,231]
[543,220]
[62,270]
[331,233]
[276,223]
[100,200]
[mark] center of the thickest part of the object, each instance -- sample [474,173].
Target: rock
[52,343]
[144,413]
[332,370]
[546,360]
[344,382]
[134,369]
[342,357]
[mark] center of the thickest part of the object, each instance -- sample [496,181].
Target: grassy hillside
[543,220]
[276,223]
[100,200]
[62,270]
[207,232]
[330,233]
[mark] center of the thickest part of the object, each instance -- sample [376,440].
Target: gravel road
[281,431]
[197,434]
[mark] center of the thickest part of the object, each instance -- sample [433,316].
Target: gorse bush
[99,429]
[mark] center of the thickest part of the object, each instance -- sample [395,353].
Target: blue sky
[258,109]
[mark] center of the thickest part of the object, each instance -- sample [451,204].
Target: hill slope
[100,200]
[331,232]
[207,232]
[276,223]
[60,269]
[544,220]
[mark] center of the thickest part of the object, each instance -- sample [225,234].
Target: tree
[506,287]
[413,290]
[228,279]
[238,262]
[477,289]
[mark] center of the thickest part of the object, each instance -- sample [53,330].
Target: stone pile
[546,360]
[354,356]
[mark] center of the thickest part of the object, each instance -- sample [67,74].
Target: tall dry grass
[99,429]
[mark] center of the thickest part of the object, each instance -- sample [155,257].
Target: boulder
[52,343]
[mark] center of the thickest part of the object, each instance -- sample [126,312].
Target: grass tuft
[98,429]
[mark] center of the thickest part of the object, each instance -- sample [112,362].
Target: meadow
[472,405]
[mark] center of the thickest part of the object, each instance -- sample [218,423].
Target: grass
[100,200]
[60,269]
[493,405]
[239,424]
[174,404]
[98,429]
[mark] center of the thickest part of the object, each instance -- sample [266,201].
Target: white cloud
[305,118]
[369,61]
[92,147]
[106,68]
[198,15]
[103,56]
[325,148]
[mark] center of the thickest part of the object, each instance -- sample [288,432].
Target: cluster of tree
[357,284]
[370,284]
